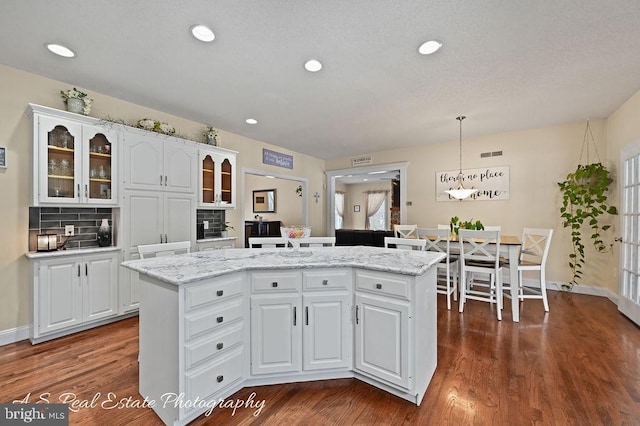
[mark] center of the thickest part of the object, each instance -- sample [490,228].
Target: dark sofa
[361,237]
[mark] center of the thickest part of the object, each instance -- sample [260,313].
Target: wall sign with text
[277,159]
[492,183]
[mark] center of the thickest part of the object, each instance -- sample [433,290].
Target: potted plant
[211,134]
[224,228]
[77,101]
[584,199]
[455,225]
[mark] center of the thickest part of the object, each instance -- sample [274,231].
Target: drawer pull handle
[219,293]
[220,378]
[220,346]
[219,319]
[325,282]
[379,286]
[274,284]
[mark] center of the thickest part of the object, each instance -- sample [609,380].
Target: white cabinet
[151,217]
[217,178]
[382,328]
[158,162]
[294,330]
[71,291]
[74,159]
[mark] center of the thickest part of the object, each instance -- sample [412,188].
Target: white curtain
[340,208]
[374,201]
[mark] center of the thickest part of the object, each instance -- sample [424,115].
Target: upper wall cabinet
[74,159]
[217,178]
[157,162]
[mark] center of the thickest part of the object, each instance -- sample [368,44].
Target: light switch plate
[206,224]
[69,230]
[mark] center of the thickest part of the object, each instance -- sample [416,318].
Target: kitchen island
[214,322]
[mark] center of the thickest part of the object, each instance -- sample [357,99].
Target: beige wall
[538,158]
[19,88]
[288,203]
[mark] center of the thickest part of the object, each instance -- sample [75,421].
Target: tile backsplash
[215,217]
[52,220]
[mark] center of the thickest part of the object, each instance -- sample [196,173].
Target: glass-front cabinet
[74,162]
[217,178]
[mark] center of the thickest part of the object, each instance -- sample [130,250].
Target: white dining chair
[314,242]
[404,231]
[163,249]
[405,243]
[439,241]
[480,254]
[267,242]
[533,257]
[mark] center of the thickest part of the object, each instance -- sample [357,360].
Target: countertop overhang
[188,268]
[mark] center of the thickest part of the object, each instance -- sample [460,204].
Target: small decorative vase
[223,234]
[104,234]
[212,140]
[75,105]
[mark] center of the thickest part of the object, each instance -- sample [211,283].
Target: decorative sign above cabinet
[277,159]
[492,183]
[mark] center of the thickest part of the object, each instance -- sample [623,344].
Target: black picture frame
[264,201]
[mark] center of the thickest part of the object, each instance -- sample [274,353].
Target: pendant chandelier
[460,193]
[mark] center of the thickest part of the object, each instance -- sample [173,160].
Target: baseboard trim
[14,335]
[578,289]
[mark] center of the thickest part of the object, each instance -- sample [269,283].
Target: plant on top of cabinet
[211,134]
[77,101]
[156,126]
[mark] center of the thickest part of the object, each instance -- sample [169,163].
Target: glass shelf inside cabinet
[208,168]
[60,163]
[100,167]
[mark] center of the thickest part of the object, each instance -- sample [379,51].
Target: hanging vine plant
[584,200]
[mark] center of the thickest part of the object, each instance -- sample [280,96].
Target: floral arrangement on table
[455,225]
[156,126]
[211,134]
[77,94]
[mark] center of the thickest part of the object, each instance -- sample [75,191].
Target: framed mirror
[264,201]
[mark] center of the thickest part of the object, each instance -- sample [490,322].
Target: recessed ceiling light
[202,33]
[365,180]
[313,65]
[61,50]
[429,47]
[251,121]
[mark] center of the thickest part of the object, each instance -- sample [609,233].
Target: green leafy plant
[455,225]
[584,200]
[225,226]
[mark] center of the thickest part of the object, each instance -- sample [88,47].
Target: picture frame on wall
[356,208]
[3,157]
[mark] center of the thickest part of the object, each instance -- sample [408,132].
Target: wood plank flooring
[578,365]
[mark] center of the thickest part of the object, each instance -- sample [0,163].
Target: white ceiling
[505,64]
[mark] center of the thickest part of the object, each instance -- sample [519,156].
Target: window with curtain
[376,214]
[339,213]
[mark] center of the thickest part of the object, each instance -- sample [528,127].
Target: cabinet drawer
[204,382]
[213,318]
[275,281]
[201,295]
[380,283]
[211,345]
[327,279]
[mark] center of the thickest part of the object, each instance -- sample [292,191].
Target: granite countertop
[187,268]
[70,252]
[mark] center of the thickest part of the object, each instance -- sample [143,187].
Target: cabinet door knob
[325,282]
[220,346]
[220,378]
[379,286]
[356,314]
[219,319]
[274,284]
[219,293]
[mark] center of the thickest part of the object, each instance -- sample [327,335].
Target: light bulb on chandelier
[460,192]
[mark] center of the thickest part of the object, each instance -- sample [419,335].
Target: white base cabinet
[71,292]
[215,336]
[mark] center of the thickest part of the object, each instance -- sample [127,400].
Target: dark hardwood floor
[578,365]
